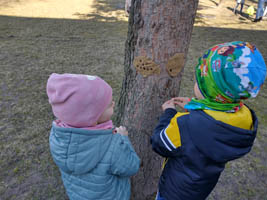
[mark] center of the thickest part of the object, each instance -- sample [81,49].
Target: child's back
[94,164]
[95,160]
[218,127]
[193,168]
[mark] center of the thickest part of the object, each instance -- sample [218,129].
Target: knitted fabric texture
[78,100]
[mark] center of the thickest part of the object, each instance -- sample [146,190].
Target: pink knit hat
[78,100]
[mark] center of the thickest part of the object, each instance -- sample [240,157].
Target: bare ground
[37,39]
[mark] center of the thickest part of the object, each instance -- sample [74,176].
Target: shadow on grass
[243,15]
[215,3]
[108,6]
[34,48]
[101,8]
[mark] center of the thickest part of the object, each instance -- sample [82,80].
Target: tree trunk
[159,33]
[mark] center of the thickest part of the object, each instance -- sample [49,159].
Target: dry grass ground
[38,37]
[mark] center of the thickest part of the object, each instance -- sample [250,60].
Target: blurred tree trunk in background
[159,33]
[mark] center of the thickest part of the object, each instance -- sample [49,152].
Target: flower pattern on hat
[228,73]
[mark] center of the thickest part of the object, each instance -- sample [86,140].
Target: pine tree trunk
[159,33]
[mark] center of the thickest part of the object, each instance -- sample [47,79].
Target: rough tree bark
[159,33]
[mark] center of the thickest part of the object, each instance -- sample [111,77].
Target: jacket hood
[219,141]
[76,150]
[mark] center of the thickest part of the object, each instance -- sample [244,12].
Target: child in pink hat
[80,101]
[94,162]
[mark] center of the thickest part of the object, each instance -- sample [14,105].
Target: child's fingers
[114,131]
[177,99]
[166,103]
[169,101]
[121,128]
[179,102]
[181,99]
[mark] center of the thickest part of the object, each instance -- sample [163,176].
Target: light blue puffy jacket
[94,164]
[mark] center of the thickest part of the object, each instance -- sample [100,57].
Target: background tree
[159,33]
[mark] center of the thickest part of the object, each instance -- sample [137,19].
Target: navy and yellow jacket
[197,145]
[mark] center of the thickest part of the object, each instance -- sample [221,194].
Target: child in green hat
[216,126]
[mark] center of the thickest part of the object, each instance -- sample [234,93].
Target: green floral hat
[228,73]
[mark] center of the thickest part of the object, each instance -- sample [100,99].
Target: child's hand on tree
[168,104]
[181,101]
[121,130]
